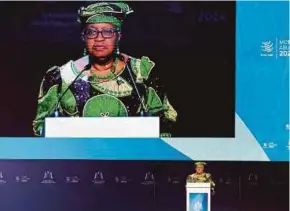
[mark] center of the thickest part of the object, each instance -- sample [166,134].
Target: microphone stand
[143,111]
[55,108]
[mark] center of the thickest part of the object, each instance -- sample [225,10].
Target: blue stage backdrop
[261,99]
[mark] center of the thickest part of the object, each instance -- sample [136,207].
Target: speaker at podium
[199,187]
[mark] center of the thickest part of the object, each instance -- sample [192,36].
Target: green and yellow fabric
[201,177]
[104,12]
[116,97]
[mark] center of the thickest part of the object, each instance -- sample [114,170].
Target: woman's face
[101,39]
[199,170]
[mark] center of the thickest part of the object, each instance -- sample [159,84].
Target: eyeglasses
[94,33]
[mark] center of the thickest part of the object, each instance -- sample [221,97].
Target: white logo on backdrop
[277,48]
[267,48]
[269,145]
[2,181]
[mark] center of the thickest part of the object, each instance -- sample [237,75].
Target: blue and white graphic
[198,202]
[262,106]
[267,48]
[277,48]
[262,90]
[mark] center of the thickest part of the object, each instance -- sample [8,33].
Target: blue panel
[262,84]
[198,202]
[81,148]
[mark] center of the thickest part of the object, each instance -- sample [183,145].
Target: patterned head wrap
[104,12]
[200,164]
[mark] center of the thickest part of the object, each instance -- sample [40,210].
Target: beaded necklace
[109,76]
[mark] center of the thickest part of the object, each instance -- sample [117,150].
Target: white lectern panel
[198,197]
[102,127]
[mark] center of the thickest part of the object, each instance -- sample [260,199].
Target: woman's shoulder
[141,67]
[52,75]
[207,175]
[51,78]
[67,71]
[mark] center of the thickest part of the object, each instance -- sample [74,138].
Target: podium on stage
[198,196]
[102,127]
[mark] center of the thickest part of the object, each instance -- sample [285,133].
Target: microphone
[61,95]
[55,108]
[143,110]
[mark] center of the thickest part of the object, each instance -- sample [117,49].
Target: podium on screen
[102,127]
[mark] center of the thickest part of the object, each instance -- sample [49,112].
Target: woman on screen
[104,82]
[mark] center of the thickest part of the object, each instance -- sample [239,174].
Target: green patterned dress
[116,97]
[201,178]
